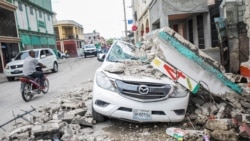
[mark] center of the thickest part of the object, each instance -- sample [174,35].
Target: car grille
[16,72]
[136,90]
[16,66]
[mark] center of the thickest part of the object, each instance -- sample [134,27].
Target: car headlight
[178,92]
[104,82]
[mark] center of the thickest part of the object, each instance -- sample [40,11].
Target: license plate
[141,114]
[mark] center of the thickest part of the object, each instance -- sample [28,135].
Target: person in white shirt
[29,68]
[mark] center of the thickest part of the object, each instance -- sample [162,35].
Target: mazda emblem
[143,89]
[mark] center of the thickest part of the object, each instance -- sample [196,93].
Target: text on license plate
[142,114]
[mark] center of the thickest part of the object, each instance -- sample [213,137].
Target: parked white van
[126,87]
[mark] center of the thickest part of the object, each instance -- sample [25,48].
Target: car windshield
[23,55]
[122,51]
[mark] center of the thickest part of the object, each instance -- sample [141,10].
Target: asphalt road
[73,72]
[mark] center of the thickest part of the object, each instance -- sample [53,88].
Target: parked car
[135,98]
[101,55]
[88,49]
[44,55]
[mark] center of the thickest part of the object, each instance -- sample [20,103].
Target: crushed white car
[127,87]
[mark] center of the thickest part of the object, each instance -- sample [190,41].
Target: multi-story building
[8,33]
[69,36]
[91,38]
[35,24]
[190,18]
[24,24]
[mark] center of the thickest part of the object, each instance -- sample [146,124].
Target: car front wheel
[98,117]
[10,78]
[55,67]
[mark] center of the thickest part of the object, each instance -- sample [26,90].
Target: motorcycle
[31,86]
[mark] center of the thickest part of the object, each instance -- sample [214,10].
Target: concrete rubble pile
[68,117]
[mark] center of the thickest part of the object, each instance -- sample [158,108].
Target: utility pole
[125,19]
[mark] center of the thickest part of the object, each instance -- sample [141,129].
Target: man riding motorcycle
[29,68]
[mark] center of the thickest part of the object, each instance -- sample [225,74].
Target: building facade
[9,41]
[199,22]
[35,24]
[69,36]
[92,38]
[190,18]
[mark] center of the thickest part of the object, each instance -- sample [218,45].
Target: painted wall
[22,22]
[33,18]
[174,7]
[34,22]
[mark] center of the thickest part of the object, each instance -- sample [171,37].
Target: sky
[103,16]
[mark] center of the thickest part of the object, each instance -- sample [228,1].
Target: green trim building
[35,24]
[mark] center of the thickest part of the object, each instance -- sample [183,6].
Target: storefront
[8,34]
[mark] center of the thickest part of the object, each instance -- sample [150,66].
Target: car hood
[117,74]
[15,62]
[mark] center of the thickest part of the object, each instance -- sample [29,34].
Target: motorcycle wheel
[46,86]
[26,92]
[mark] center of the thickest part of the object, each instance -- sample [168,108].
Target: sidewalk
[3,78]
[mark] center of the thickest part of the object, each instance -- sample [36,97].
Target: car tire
[98,117]
[55,67]
[10,78]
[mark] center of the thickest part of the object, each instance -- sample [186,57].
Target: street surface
[73,72]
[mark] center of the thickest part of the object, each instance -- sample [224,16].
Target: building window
[48,17]
[40,14]
[31,11]
[20,6]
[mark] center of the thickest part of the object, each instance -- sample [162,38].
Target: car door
[44,59]
[49,58]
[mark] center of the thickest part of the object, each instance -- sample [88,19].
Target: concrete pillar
[247,19]
[1,56]
[207,30]
[60,32]
[163,15]
[195,32]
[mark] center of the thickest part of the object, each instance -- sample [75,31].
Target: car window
[121,52]
[42,53]
[23,55]
[48,52]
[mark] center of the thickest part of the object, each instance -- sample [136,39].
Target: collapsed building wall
[198,66]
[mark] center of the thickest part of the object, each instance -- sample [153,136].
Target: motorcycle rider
[29,68]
